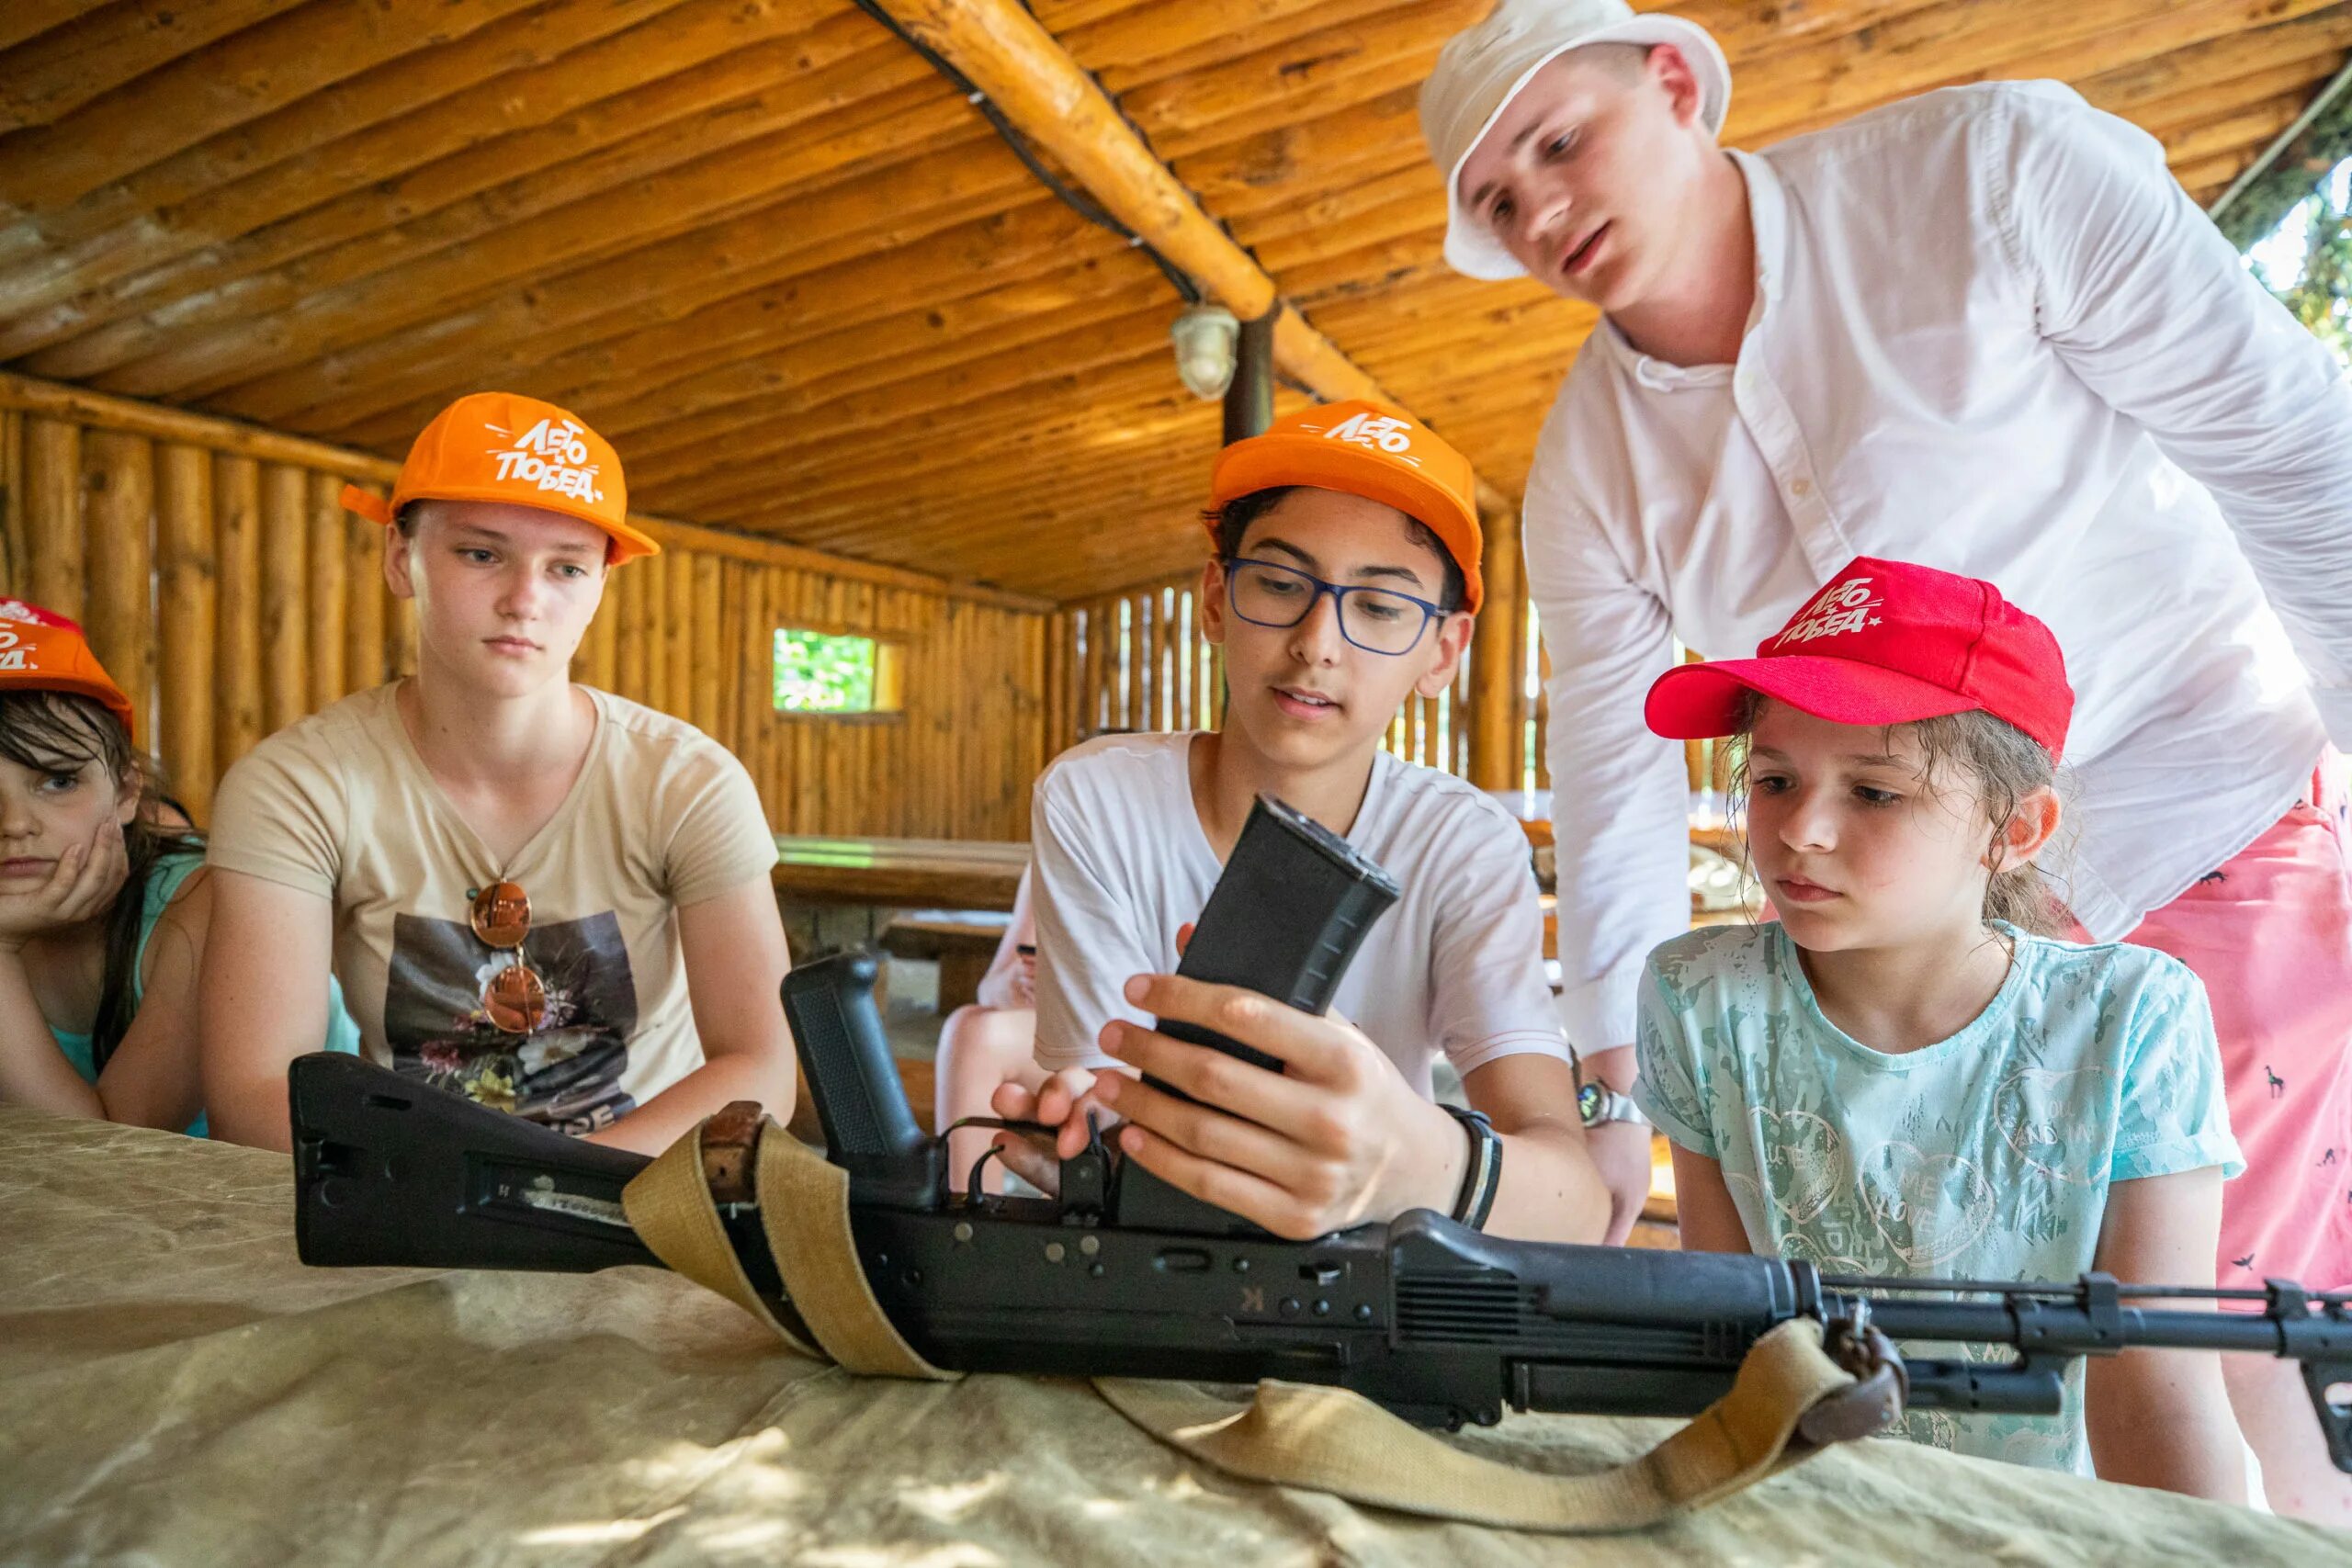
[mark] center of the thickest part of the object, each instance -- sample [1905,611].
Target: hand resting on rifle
[1337,1139]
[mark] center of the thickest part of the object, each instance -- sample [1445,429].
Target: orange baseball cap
[44,652]
[1362,447]
[505,447]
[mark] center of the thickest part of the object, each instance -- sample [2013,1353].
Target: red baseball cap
[1885,642]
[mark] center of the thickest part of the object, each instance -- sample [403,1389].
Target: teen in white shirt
[1346,575]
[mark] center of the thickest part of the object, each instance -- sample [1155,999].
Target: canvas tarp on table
[177,1387]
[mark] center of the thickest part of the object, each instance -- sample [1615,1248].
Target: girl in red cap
[104,906]
[1902,1075]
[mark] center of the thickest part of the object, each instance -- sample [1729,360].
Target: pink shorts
[2269,932]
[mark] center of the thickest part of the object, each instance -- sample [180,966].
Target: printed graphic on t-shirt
[566,1073]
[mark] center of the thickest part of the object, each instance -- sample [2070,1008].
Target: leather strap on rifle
[1324,1440]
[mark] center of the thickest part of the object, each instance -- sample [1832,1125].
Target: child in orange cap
[1343,578]
[544,897]
[103,907]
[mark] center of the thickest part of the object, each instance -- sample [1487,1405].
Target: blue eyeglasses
[1378,620]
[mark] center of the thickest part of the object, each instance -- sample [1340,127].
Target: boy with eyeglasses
[1344,579]
[544,897]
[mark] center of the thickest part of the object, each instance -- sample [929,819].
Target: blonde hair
[2001,765]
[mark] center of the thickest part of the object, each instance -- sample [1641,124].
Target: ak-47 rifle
[1122,1275]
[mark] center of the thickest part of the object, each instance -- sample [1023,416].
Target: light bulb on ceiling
[1207,339]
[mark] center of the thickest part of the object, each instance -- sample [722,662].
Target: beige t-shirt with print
[661,816]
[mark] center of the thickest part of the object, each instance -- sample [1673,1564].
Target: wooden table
[941,873]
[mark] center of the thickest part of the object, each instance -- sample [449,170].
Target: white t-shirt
[1121,862]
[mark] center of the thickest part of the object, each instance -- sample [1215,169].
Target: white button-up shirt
[1990,335]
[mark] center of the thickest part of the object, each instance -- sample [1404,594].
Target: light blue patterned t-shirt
[165,880]
[1985,1156]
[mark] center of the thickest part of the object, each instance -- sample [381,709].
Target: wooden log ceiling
[809,290]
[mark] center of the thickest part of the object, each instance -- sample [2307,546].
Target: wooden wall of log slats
[227,590]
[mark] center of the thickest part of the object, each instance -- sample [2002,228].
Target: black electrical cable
[1077,201]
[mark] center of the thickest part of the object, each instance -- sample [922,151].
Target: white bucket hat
[1481,69]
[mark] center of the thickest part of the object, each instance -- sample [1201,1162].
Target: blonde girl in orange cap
[103,906]
[541,895]
[1344,578]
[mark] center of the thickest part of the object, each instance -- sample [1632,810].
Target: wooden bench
[963,943]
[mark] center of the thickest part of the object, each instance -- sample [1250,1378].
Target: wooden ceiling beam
[471,97]
[957,438]
[1984,39]
[913,417]
[357,321]
[773,301]
[843,363]
[825,177]
[60,55]
[1005,52]
[960,392]
[2188,71]
[232,80]
[1164,452]
[1154,43]
[804,357]
[1154,427]
[2301,78]
[2252,125]
[640,187]
[1308,76]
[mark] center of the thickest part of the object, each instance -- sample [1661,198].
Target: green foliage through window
[2307,261]
[823,673]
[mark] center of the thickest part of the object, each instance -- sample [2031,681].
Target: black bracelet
[1482,1177]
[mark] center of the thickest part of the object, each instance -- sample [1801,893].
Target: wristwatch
[1596,1103]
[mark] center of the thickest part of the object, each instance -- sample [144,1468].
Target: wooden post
[727,655]
[119,518]
[285,579]
[367,599]
[330,590]
[1543,717]
[1495,658]
[53,515]
[186,631]
[1089,676]
[705,679]
[652,613]
[754,719]
[236,532]
[400,636]
[601,644]
[678,636]
[624,608]
[15,567]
